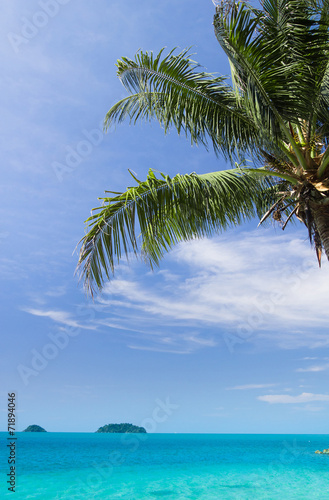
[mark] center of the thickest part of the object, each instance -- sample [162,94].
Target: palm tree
[275,112]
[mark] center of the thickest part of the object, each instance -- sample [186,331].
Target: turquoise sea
[166,466]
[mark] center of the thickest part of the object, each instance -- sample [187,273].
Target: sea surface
[166,466]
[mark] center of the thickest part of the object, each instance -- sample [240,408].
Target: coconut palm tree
[275,112]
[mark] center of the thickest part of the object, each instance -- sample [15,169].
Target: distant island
[34,428]
[121,428]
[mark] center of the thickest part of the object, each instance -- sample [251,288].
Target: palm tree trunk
[320,213]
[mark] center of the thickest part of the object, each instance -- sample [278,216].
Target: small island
[121,428]
[34,428]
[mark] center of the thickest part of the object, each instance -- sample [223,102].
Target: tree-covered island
[121,428]
[34,428]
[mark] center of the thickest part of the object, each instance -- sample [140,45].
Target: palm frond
[277,55]
[168,210]
[171,90]
[237,35]
[276,111]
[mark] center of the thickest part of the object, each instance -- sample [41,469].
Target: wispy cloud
[176,344]
[57,291]
[305,397]
[315,368]
[221,411]
[267,281]
[309,408]
[249,386]
[61,317]
[159,349]
[214,415]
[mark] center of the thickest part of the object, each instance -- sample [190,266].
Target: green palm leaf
[165,211]
[279,58]
[172,91]
[276,111]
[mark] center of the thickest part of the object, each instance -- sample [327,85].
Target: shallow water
[166,466]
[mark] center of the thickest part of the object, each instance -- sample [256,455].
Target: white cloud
[220,411]
[216,415]
[305,397]
[159,349]
[57,291]
[175,343]
[249,386]
[315,368]
[61,317]
[265,284]
[310,408]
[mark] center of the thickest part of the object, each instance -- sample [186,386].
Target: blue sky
[229,335]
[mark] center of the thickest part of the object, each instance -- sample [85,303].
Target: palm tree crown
[276,112]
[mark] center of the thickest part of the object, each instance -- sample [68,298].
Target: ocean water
[89,466]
